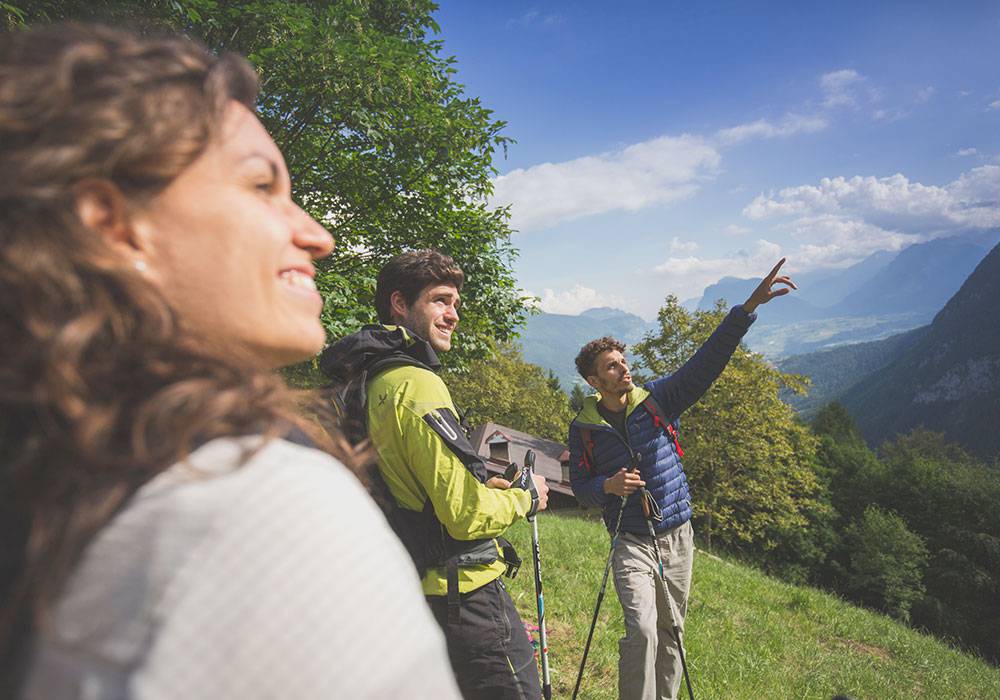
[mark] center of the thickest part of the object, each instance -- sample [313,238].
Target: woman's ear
[102,208]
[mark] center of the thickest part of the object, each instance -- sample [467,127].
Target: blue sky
[662,146]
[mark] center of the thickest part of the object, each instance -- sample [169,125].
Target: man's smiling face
[433,315]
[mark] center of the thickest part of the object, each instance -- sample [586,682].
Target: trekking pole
[651,511]
[543,639]
[604,585]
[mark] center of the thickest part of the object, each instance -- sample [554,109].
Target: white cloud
[659,171]
[892,203]
[889,115]
[662,170]
[678,246]
[846,88]
[735,230]
[534,18]
[925,93]
[843,219]
[841,87]
[967,152]
[688,276]
[792,124]
[995,104]
[578,299]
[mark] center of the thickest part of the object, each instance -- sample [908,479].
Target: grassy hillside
[748,635]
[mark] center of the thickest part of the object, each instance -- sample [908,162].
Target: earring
[139,265]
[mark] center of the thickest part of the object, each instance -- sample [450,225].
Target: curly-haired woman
[168,529]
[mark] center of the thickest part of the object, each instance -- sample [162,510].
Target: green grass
[747,635]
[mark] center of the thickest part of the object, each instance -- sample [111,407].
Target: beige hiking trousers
[649,663]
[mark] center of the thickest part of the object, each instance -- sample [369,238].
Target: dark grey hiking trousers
[489,650]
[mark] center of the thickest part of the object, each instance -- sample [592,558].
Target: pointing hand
[764,292]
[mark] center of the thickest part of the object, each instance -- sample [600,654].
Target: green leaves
[888,562]
[505,389]
[382,143]
[750,464]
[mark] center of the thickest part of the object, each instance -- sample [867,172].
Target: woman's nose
[311,236]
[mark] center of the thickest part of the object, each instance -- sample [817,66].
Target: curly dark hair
[410,273]
[97,395]
[589,352]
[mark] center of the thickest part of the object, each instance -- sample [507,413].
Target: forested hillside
[834,371]
[949,380]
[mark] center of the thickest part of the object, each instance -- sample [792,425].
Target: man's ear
[592,380]
[102,208]
[398,306]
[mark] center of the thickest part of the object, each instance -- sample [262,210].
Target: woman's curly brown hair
[97,396]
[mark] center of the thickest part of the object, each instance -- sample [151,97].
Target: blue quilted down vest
[659,460]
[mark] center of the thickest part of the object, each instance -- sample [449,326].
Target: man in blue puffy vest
[624,426]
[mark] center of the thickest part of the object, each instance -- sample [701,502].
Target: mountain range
[553,340]
[948,380]
[880,296]
[883,295]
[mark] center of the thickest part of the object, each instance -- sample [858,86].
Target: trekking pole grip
[529,482]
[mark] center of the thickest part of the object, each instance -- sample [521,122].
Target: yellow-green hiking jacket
[423,452]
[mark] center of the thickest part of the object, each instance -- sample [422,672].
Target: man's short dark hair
[589,352]
[410,273]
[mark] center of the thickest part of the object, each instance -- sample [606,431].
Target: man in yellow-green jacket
[446,511]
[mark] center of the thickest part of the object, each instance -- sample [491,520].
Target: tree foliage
[382,143]
[576,397]
[887,562]
[944,496]
[749,462]
[506,389]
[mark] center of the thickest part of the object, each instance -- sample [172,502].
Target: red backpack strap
[666,426]
[588,449]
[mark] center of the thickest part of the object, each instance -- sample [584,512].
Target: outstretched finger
[784,280]
[778,292]
[774,270]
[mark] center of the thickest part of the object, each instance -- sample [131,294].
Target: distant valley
[903,340]
[884,294]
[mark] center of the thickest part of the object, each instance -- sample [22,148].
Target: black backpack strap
[350,404]
[660,421]
[454,597]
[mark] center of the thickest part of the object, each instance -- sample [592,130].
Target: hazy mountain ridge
[880,296]
[949,380]
[893,370]
[553,340]
[919,277]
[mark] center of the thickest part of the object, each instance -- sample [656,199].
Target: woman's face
[231,251]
